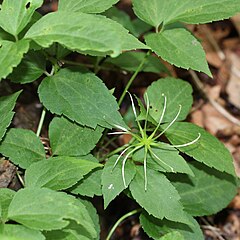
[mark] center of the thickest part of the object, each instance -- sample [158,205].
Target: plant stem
[133,78]
[41,122]
[129,214]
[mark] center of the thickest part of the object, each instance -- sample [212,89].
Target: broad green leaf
[22,147]
[80,96]
[7,104]
[168,160]
[32,67]
[74,231]
[15,15]
[11,54]
[180,48]
[112,181]
[45,209]
[130,61]
[153,12]
[6,196]
[156,228]
[208,192]
[188,11]
[208,149]
[201,11]
[173,235]
[90,185]
[121,17]
[177,92]
[20,232]
[160,199]
[85,6]
[73,139]
[83,33]
[58,173]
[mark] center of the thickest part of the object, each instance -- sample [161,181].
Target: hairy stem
[133,78]
[39,129]
[129,214]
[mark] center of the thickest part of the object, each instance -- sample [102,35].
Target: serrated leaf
[208,149]
[23,147]
[112,182]
[7,104]
[6,196]
[90,185]
[11,54]
[177,92]
[202,11]
[58,173]
[85,6]
[208,192]
[188,11]
[73,139]
[74,231]
[160,199]
[31,68]
[156,228]
[45,209]
[20,232]
[94,216]
[152,13]
[80,96]
[170,160]
[130,61]
[180,48]
[83,32]
[15,15]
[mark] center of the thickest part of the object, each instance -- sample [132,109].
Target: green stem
[41,122]
[133,78]
[129,214]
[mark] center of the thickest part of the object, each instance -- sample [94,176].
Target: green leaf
[6,196]
[45,209]
[90,185]
[153,13]
[11,54]
[121,17]
[180,48]
[7,104]
[208,192]
[89,6]
[20,232]
[202,11]
[83,33]
[80,96]
[177,92]
[93,214]
[31,68]
[74,231]
[23,147]
[140,27]
[160,199]
[208,149]
[155,228]
[188,11]
[15,15]
[112,182]
[170,160]
[130,61]
[59,172]
[173,235]
[73,139]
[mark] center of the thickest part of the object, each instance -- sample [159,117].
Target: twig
[215,104]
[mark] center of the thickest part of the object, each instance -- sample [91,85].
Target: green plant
[170,188]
